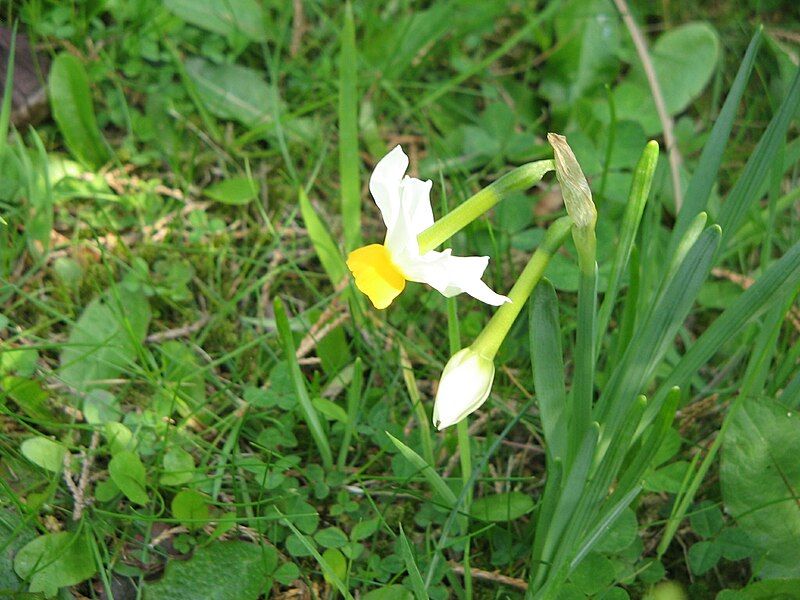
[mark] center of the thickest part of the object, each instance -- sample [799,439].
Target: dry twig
[658,98]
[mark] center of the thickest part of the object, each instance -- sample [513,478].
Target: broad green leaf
[178,467]
[502,507]
[593,574]
[55,560]
[236,190]
[44,452]
[183,380]
[586,56]
[14,534]
[706,519]
[331,537]
[389,592]
[227,17]
[778,589]
[337,562]
[760,476]
[232,91]
[703,556]
[190,508]
[331,572]
[364,529]
[220,571]
[71,101]
[101,406]
[128,473]
[330,410]
[684,59]
[103,342]
[119,437]
[620,534]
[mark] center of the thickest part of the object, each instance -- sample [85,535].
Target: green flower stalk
[468,376]
[521,178]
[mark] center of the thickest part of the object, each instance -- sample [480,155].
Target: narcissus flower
[381,270]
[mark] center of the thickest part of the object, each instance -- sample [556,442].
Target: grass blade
[748,186]
[326,249]
[353,410]
[8,93]
[306,407]
[417,584]
[705,175]
[348,134]
[784,272]
[435,480]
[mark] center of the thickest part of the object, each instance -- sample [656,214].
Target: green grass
[195,398]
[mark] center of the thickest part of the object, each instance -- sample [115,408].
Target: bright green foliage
[55,560]
[202,160]
[760,477]
[222,571]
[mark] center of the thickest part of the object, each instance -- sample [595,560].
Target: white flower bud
[463,388]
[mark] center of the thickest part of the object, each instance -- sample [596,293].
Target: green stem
[489,340]
[521,178]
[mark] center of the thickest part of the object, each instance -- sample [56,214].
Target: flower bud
[463,388]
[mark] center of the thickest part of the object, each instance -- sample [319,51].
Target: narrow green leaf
[746,191]
[434,479]
[781,275]
[705,175]
[326,249]
[8,94]
[353,410]
[548,367]
[348,133]
[73,110]
[637,198]
[653,338]
[306,406]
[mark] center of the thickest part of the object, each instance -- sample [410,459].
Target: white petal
[451,275]
[414,217]
[384,185]
[416,199]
